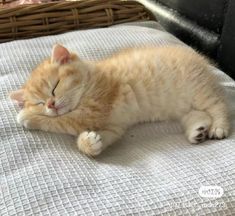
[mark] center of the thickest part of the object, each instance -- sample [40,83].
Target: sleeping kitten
[98,101]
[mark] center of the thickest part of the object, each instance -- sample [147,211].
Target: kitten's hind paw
[199,133]
[197,124]
[89,142]
[218,133]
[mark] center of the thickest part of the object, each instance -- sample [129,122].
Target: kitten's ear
[60,54]
[18,96]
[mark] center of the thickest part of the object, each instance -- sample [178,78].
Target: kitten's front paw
[25,118]
[90,143]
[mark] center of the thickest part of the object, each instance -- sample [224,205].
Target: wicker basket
[6,1]
[27,21]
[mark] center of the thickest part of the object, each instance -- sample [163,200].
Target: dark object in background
[207,25]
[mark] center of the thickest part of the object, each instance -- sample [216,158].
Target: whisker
[64,100]
[61,101]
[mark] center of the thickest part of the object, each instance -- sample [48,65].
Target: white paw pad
[90,143]
[198,134]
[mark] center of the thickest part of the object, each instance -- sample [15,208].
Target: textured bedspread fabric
[153,170]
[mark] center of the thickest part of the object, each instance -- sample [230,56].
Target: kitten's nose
[51,104]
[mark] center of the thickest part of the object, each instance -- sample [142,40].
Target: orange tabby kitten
[98,101]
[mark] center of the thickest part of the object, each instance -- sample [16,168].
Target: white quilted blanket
[153,170]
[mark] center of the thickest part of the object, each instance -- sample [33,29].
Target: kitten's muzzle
[51,105]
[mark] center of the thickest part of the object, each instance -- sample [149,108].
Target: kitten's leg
[220,123]
[60,124]
[93,143]
[196,125]
[211,98]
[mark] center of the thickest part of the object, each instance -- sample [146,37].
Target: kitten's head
[55,86]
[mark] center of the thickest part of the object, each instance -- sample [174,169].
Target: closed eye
[40,103]
[53,91]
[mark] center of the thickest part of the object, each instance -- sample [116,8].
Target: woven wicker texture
[6,1]
[27,21]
